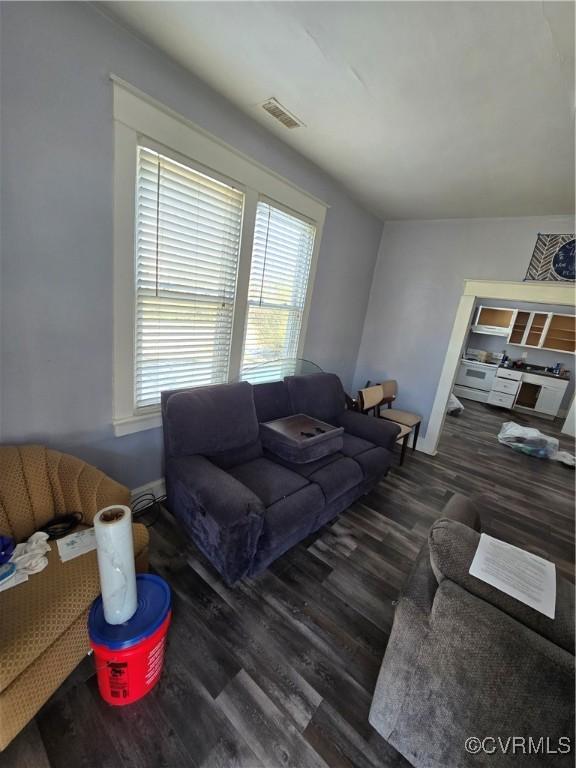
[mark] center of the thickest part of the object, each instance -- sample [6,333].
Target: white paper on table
[518,573]
[17,578]
[76,544]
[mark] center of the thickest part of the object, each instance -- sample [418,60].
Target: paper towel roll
[115,550]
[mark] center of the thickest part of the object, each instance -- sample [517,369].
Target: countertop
[531,370]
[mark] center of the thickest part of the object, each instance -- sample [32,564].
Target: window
[214,260]
[281,256]
[187,247]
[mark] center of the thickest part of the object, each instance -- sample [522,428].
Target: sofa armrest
[222,516]
[468,668]
[214,491]
[452,549]
[378,431]
[465,510]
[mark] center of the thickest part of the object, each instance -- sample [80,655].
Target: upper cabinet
[540,330]
[519,328]
[494,321]
[535,331]
[561,333]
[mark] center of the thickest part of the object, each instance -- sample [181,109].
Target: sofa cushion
[36,612]
[338,477]
[268,480]
[452,549]
[307,469]
[290,520]
[354,445]
[271,401]
[318,394]
[210,420]
[374,462]
[235,456]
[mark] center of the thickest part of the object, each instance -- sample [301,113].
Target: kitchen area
[519,358]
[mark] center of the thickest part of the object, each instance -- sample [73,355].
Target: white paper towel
[115,550]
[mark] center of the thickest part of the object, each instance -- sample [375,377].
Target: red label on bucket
[118,679]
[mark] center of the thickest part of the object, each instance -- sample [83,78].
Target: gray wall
[56,197]
[417,284]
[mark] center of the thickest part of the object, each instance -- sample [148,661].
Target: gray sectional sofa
[244,506]
[465,661]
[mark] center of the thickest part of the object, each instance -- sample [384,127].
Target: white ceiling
[421,109]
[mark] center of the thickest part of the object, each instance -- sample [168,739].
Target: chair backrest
[319,395]
[218,421]
[389,390]
[377,394]
[370,397]
[37,483]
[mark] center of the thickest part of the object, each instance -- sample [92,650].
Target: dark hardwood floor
[280,670]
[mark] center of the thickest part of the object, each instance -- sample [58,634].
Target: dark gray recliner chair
[465,659]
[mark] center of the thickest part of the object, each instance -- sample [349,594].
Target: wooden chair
[373,398]
[404,418]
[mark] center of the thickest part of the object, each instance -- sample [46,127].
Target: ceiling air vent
[274,108]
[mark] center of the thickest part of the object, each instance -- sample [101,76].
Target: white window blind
[281,258]
[188,228]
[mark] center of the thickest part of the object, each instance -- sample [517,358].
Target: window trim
[304,318]
[139,118]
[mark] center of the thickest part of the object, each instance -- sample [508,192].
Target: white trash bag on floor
[533,443]
[454,407]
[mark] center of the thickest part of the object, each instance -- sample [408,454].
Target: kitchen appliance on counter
[481,356]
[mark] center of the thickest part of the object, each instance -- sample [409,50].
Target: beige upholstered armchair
[43,622]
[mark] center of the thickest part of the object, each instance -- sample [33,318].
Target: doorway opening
[525,330]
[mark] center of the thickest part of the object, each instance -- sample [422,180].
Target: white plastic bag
[528,440]
[533,443]
[454,407]
[566,458]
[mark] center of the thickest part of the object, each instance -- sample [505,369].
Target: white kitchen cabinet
[501,399]
[506,386]
[549,400]
[544,330]
[507,373]
[537,326]
[541,395]
[528,392]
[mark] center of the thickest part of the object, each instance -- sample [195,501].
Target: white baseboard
[425,447]
[155,487]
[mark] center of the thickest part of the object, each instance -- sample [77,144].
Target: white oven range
[474,379]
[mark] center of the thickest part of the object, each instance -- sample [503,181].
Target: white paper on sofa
[518,573]
[76,544]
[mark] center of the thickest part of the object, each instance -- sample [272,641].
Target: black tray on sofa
[300,438]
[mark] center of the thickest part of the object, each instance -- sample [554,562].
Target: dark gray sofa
[242,506]
[465,660]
